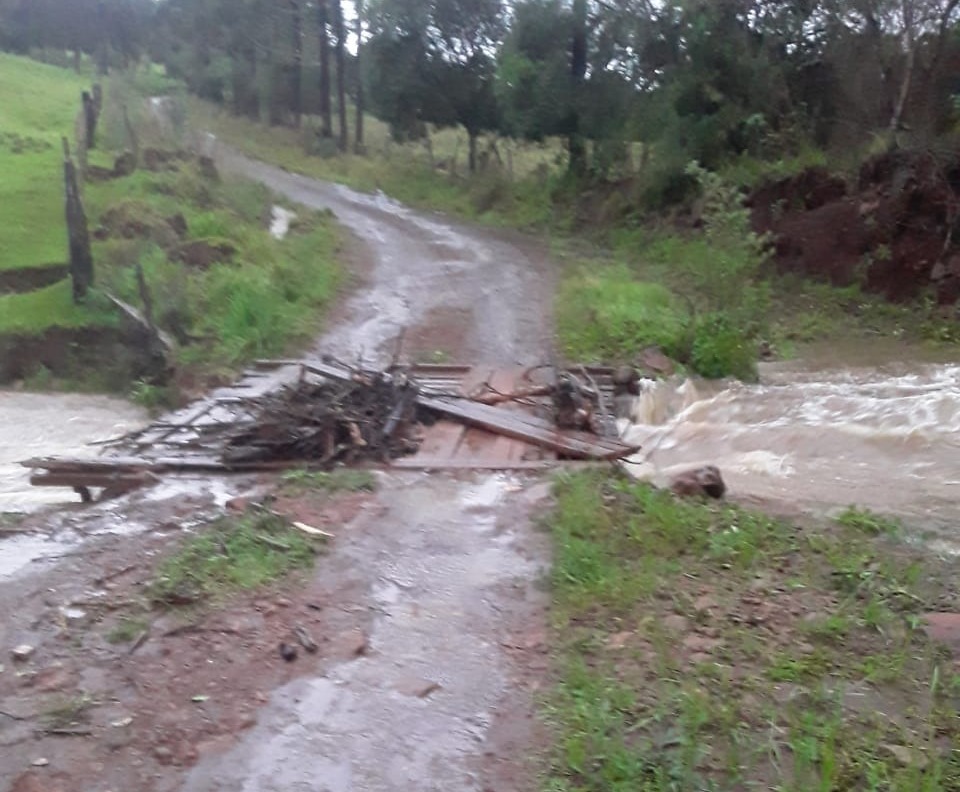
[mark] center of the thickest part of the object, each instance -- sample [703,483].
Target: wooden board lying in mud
[464,434]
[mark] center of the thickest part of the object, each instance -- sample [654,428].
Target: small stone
[41,762]
[676,623]
[705,603]
[619,640]
[944,628]
[908,757]
[51,679]
[238,505]
[287,652]
[283,603]
[73,617]
[22,653]
[353,643]
[419,688]
[699,643]
[163,754]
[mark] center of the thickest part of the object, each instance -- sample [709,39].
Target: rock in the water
[626,379]
[705,481]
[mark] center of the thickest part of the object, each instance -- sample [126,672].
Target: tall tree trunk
[907,11]
[326,120]
[296,89]
[275,116]
[103,45]
[578,72]
[358,131]
[472,136]
[341,76]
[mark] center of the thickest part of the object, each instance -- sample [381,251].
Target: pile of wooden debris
[366,415]
[322,413]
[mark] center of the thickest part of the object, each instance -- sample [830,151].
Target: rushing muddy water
[885,437]
[52,424]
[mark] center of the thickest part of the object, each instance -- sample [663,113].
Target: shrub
[721,349]
[609,315]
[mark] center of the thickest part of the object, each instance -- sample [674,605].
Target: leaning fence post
[81,258]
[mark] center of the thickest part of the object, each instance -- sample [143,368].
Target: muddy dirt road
[428,608]
[460,291]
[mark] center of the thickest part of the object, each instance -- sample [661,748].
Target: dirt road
[429,608]
[464,292]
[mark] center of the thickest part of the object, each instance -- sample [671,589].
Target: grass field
[260,298]
[39,105]
[706,647]
[52,306]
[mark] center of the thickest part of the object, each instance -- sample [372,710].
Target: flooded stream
[818,437]
[53,424]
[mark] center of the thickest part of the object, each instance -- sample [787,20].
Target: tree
[432,62]
[359,98]
[296,33]
[578,75]
[323,33]
[341,33]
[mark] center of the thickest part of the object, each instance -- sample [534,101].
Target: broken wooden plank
[579,445]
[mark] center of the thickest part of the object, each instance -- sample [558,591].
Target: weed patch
[701,646]
[343,480]
[231,554]
[69,712]
[127,629]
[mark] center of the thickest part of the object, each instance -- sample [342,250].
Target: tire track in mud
[442,698]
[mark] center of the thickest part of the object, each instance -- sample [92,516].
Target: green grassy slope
[39,105]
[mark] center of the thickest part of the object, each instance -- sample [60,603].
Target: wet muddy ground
[428,605]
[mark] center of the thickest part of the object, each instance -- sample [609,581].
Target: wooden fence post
[90,116]
[81,258]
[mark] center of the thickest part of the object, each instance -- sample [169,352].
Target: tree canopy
[709,80]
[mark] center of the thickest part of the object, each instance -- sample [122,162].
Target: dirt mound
[25,279]
[204,253]
[134,219]
[117,356]
[890,231]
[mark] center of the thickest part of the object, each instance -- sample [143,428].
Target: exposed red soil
[890,230]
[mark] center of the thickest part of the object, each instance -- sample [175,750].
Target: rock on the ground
[22,653]
[944,628]
[704,481]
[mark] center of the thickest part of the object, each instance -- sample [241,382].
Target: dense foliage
[690,79]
